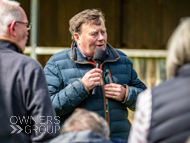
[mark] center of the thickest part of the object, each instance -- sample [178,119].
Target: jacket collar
[76,55]
[8,44]
[89,58]
[184,70]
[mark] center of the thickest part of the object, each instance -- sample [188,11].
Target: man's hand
[115,91]
[92,78]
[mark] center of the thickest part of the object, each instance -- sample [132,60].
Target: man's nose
[100,36]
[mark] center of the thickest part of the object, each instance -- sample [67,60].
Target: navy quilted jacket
[63,71]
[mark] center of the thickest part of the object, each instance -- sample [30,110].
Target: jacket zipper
[106,103]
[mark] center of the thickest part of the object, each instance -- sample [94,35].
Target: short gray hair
[89,15]
[178,48]
[9,11]
[82,119]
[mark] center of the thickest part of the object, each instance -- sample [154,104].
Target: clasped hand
[112,90]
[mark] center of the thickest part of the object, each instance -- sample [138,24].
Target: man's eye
[94,34]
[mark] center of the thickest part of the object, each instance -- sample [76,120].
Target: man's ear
[76,37]
[12,28]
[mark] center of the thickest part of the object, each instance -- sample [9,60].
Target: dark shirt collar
[8,44]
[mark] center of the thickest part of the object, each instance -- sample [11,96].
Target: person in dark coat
[71,75]
[163,113]
[23,88]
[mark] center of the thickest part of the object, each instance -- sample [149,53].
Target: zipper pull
[109,75]
[107,106]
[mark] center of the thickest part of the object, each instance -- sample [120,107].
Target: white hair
[13,2]
[178,48]
[9,11]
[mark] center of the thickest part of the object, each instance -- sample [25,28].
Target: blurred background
[140,28]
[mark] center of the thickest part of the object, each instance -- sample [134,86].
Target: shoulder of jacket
[26,60]
[121,53]
[61,55]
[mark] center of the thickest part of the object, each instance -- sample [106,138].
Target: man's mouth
[101,45]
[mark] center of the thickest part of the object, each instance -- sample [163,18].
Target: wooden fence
[149,64]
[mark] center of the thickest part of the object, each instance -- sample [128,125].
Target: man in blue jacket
[71,75]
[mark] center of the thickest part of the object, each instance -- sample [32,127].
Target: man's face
[21,31]
[92,37]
